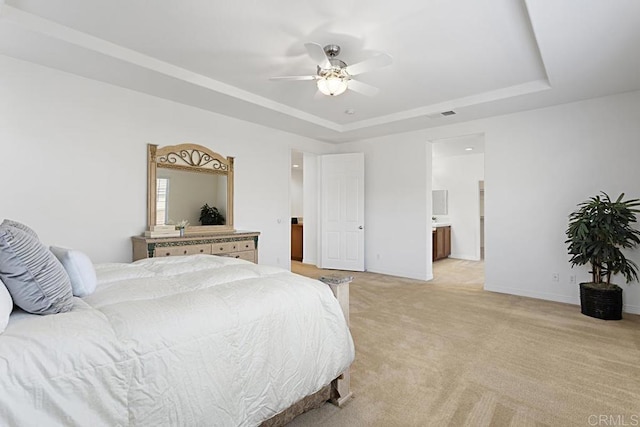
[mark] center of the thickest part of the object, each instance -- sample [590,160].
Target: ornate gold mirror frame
[191,158]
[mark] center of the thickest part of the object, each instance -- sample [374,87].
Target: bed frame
[338,392]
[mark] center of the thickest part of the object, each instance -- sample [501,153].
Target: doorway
[458,171]
[296,199]
[481,197]
[303,205]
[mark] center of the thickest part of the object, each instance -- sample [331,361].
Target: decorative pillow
[20,226]
[6,306]
[33,276]
[79,268]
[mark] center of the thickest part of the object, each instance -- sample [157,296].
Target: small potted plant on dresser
[599,230]
[209,215]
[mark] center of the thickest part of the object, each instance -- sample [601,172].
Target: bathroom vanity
[441,238]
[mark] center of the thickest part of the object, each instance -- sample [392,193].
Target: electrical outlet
[556,277]
[572,279]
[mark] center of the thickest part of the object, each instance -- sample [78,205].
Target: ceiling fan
[333,77]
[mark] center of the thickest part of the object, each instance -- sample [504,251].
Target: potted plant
[598,232]
[209,215]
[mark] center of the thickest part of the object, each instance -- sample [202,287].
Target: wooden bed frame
[338,392]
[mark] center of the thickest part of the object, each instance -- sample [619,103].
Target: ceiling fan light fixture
[333,82]
[333,76]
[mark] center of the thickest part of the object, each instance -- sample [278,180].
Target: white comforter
[189,341]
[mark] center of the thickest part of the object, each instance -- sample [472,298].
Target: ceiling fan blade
[363,88]
[316,52]
[293,78]
[378,61]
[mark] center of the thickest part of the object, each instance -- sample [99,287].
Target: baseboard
[398,274]
[631,309]
[465,257]
[627,308]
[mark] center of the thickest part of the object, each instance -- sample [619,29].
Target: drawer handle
[201,250]
[168,253]
[185,251]
[237,256]
[222,249]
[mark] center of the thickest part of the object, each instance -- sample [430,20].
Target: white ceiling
[476,57]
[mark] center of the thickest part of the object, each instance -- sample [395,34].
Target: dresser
[236,244]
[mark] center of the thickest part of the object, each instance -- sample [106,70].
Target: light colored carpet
[447,353]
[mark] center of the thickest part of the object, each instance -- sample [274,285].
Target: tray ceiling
[476,57]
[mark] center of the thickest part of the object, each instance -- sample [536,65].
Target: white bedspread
[185,341]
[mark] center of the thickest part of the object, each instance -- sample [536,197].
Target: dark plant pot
[601,303]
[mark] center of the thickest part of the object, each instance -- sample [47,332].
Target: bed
[186,340]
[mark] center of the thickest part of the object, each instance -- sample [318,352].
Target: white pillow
[6,306]
[79,268]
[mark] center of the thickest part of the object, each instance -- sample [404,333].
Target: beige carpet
[447,353]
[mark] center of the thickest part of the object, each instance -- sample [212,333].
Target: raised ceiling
[478,58]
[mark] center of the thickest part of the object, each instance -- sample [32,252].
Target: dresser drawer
[231,243]
[245,255]
[224,247]
[246,245]
[183,250]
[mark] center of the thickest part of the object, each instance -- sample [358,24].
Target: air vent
[448,113]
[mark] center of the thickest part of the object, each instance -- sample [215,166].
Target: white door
[342,212]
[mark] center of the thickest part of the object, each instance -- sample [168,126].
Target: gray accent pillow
[33,276]
[20,226]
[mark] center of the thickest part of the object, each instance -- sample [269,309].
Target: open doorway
[481,196]
[296,198]
[303,199]
[458,200]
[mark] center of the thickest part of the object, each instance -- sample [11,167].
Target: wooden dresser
[236,244]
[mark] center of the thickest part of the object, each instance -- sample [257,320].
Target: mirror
[440,204]
[181,180]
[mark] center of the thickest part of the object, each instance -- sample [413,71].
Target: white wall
[538,165]
[73,161]
[63,137]
[397,230]
[460,176]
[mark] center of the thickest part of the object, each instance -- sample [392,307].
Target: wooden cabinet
[441,239]
[296,242]
[237,244]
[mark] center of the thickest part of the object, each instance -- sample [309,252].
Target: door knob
[360,228]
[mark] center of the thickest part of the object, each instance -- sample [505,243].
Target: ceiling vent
[448,113]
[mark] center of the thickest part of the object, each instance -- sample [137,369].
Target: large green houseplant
[599,230]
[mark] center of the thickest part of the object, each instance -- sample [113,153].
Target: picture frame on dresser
[181,179]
